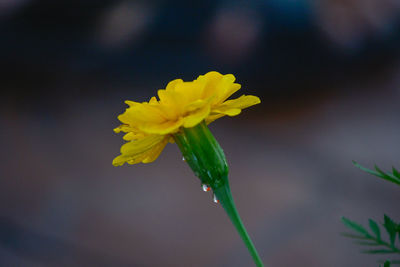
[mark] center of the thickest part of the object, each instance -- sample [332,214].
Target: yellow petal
[131,103]
[224,85]
[171,85]
[232,107]
[196,117]
[242,102]
[161,128]
[169,103]
[191,91]
[137,151]
[228,89]
[211,80]
[153,100]
[141,113]
[195,105]
[156,151]
[213,117]
[133,136]
[119,161]
[123,128]
[229,111]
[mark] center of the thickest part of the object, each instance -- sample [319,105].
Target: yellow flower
[149,126]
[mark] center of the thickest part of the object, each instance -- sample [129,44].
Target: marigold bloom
[149,126]
[181,115]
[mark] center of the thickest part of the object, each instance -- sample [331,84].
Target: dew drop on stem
[206,188]
[215,199]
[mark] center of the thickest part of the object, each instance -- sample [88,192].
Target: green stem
[206,158]
[224,196]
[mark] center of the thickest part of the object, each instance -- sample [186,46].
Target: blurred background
[328,74]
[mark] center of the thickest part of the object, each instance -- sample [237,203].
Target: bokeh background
[328,74]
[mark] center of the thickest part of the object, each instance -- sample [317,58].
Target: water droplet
[215,199]
[206,188]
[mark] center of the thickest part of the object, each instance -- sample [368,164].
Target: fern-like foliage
[385,264]
[372,238]
[393,177]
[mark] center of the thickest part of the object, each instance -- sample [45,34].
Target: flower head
[149,126]
[181,115]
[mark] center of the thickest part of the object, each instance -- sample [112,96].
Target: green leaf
[355,226]
[375,228]
[395,172]
[385,264]
[383,174]
[390,227]
[378,251]
[366,170]
[379,173]
[387,176]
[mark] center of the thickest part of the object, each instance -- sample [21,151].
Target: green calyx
[206,158]
[203,154]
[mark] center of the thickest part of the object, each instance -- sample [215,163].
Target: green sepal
[203,154]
